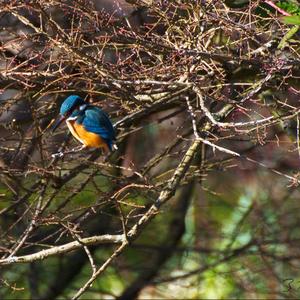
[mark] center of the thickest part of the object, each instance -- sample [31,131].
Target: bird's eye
[68,113]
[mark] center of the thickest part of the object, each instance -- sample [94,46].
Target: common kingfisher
[89,124]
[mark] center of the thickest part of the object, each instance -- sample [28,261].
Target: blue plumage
[93,119]
[70,104]
[97,121]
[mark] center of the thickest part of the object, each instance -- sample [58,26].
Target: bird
[89,124]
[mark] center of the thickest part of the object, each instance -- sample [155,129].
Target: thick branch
[93,240]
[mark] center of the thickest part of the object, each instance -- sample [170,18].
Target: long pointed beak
[58,122]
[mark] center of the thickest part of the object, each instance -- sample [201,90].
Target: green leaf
[293,20]
[292,7]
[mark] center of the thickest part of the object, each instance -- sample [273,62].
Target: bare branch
[56,250]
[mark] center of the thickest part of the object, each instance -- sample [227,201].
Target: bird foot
[57,155]
[61,154]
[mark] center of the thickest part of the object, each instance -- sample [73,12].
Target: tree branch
[56,250]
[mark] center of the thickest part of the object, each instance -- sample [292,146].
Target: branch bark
[165,195]
[93,240]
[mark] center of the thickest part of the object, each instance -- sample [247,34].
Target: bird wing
[97,121]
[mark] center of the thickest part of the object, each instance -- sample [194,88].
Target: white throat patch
[72,118]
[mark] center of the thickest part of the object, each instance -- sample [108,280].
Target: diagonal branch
[165,195]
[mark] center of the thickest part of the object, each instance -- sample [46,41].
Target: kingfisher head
[70,109]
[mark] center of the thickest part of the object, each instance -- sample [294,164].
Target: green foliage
[291,20]
[216,285]
[290,6]
[293,8]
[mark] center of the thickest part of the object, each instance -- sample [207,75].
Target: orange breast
[89,139]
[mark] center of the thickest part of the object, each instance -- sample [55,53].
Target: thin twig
[280,10]
[136,229]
